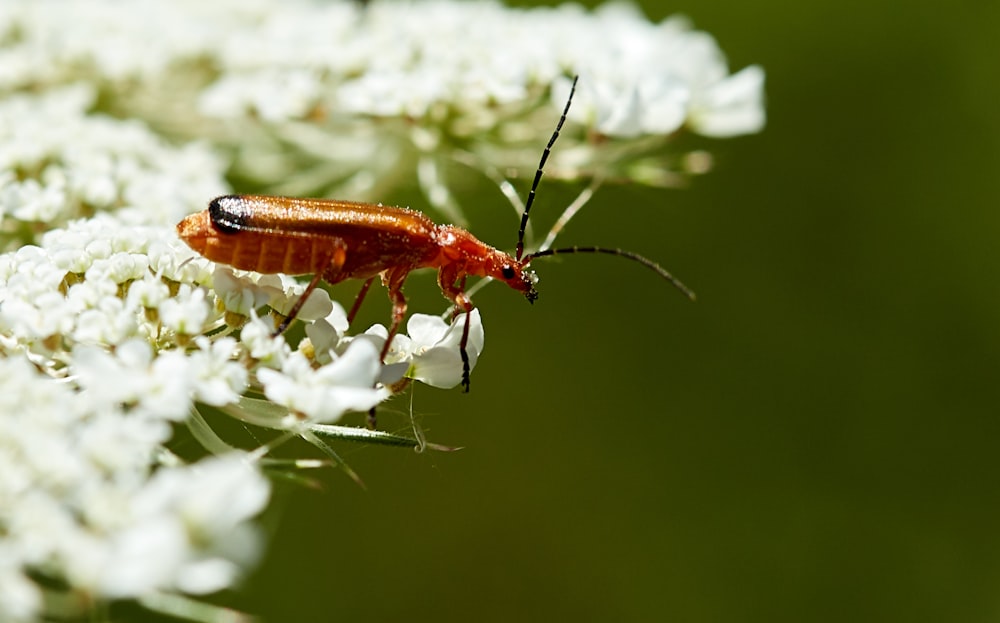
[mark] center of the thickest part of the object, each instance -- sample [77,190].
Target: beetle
[339,240]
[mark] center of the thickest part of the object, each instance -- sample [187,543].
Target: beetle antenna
[635,257]
[538,173]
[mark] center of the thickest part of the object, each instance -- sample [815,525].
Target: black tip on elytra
[228,213]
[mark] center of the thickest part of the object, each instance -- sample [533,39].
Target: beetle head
[458,246]
[516,275]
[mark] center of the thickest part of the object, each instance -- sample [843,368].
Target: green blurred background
[816,439]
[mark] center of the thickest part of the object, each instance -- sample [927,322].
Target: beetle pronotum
[338,240]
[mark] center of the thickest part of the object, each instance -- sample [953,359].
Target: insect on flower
[339,240]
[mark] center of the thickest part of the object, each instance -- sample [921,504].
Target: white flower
[432,348]
[103,318]
[731,106]
[239,294]
[218,380]
[120,445]
[148,292]
[175,527]
[262,345]
[273,94]
[186,313]
[119,267]
[160,387]
[30,201]
[140,559]
[20,598]
[209,504]
[323,395]
[285,292]
[326,335]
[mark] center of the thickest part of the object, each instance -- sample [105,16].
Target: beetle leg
[458,308]
[327,270]
[393,280]
[298,305]
[466,368]
[358,299]
[447,280]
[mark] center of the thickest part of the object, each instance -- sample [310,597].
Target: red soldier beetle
[339,240]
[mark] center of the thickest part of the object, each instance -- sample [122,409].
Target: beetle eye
[507,271]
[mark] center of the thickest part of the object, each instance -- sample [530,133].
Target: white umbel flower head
[116,119]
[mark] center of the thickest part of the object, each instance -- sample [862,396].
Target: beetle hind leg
[297,307]
[327,267]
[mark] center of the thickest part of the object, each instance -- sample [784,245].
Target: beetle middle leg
[393,280]
[358,300]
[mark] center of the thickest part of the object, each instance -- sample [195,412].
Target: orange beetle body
[338,240]
[344,240]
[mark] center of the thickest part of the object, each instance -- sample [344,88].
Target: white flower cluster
[311,91]
[396,58]
[113,332]
[58,163]
[411,59]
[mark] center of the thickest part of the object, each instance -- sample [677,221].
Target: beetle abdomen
[341,239]
[253,250]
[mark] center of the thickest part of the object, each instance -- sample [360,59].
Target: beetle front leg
[447,280]
[466,368]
